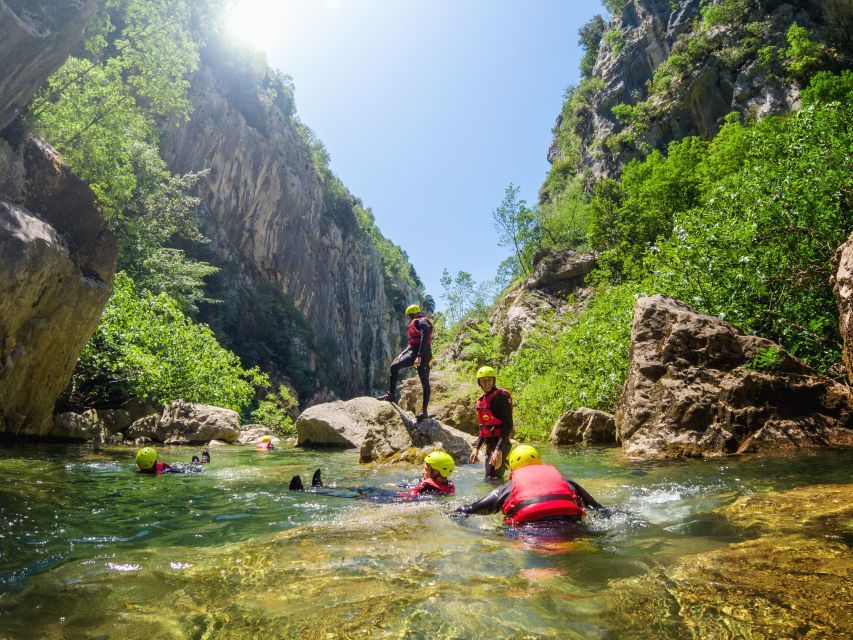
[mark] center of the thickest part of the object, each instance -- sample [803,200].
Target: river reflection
[90,549]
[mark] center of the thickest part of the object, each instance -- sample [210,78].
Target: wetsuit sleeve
[587,500]
[502,408]
[479,443]
[426,331]
[491,503]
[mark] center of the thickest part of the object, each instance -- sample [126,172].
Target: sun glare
[257,23]
[262,23]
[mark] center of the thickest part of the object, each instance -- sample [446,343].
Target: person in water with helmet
[435,481]
[494,415]
[265,444]
[535,492]
[417,354]
[147,462]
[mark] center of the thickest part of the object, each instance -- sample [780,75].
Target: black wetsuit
[501,407]
[407,357]
[494,501]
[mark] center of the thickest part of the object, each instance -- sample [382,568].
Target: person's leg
[405,359]
[490,448]
[423,374]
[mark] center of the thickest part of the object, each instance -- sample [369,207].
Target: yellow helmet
[145,458]
[266,439]
[413,309]
[441,462]
[486,372]
[522,456]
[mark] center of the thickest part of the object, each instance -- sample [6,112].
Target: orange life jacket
[443,488]
[490,424]
[539,491]
[415,333]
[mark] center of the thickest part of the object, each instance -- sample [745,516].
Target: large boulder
[584,426]
[84,427]
[193,423]
[452,402]
[378,429]
[698,387]
[57,261]
[842,285]
[35,39]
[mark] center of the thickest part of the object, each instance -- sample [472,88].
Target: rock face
[698,387]
[842,284]
[192,423]
[265,212]
[35,39]
[713,70]
[57,261]
[378,429]
[585,427]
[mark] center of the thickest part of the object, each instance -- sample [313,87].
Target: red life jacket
[161,467]
[539,491]
[415,333]
[263,445]
[442,488]
[490,425]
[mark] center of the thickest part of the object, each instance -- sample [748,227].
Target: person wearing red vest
[435,481]
[147,462]
[417,354]
[535,492]
[494,416]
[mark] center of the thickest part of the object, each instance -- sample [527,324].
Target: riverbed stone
[792,582]
[194,423]
[585,427]
[380,430]
[147,427]
[698,387]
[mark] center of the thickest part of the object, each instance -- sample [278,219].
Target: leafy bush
[146,347]
[615,39]
[571,363]
[274,411]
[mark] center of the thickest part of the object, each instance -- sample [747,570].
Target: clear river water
[90,549]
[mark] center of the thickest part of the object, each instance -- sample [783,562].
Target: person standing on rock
[417,354]
[494,415]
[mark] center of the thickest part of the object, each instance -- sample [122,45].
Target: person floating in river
[494,415]
[535,492]
[435,481]
[417,354]
[147,462]
[265,444]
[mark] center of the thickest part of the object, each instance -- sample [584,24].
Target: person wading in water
[494,415]
[417,354]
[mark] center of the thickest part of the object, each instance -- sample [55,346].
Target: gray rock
[57,261]
[378,429]
[192,423]
[694,388]
[586,427]
[73,427]
[842,285]
[253,433]
[147,428]
[35,39]
[452,402]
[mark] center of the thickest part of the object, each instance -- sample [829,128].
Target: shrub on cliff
[146,347]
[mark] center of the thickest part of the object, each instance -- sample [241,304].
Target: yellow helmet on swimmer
[413,309]
[145,458]
[522,456]
[440,461]
[486,372]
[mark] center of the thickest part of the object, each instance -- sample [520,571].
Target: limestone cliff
[275,234]
[675,69]
[57,258]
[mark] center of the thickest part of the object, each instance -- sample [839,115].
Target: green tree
[145,346]
[274,411]
[589,39]
[516,227]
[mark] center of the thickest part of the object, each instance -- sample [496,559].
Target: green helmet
[441,462]
[486,372]
[145,458]
[413,309]
[522,456]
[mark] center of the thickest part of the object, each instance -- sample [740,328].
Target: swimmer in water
[147,462]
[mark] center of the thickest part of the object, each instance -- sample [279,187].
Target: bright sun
[262,23]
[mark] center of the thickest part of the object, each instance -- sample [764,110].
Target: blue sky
[429,109]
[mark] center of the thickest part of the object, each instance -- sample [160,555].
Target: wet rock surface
[697,387]
[793,582]
[585,427]
[452,401]
[380,430]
